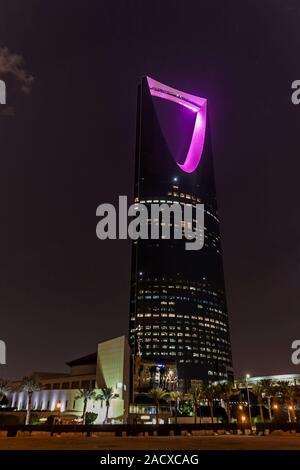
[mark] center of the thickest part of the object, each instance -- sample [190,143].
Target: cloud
[13,64]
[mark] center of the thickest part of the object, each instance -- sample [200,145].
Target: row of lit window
[196,344]
[159,290]
[178,315]
[178,297]
[171,327]
[164,289]
[170,335]
[180,346]
[187,361]
[209,336]
[181,284]
[220,359]
[170,201]
[188,326]
[187,321]
[184,339]
[201,345]
[204,325]
[183,195]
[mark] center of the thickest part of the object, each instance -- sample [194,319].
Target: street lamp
[58,407]
[248,397]
[136,355]
[291,415]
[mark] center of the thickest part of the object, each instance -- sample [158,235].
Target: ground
[280,441]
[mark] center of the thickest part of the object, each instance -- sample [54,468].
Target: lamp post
[241,416]
[58,407]
[248,398]
[135,355]
[291,409]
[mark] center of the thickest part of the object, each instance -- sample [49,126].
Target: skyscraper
[178,306]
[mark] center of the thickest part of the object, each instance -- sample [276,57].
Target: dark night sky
[70,147]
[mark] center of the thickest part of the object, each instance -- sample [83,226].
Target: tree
[211,393]
[107,394]
[138,368]
[175,397]
[289,393]
[90,417]
[195,394]
[268,392]
[86,394]
[258,392]
[157,394]
[225,392]
[4,389]
[153,371]
[29,385]
[163,374]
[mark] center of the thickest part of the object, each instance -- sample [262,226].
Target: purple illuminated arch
[196,105]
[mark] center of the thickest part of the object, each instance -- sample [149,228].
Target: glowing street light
[58,407]
[291,416]
[248,397]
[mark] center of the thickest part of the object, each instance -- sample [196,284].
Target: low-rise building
[106,368]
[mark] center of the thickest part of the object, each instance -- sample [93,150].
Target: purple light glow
[196,105]
[192,108]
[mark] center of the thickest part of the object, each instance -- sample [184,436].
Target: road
[280,441]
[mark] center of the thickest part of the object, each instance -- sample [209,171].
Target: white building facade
[107,368]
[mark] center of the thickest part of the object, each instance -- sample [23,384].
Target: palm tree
[289,394]
[175,397]
[140,375]
[268,392]
[226,390]
[163,373]
[157,394]
[211,393]
[86,394]
[29,385]
[195,394]
[138,368]
[297,396]
[152,370]
[107,394]
[4,388]
[258,392]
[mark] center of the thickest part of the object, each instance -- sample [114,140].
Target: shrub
[9,419]
[34,419]
[50,420]
[4,402]
[280,417]
[90,417]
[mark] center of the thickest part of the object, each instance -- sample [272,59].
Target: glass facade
[178,306]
